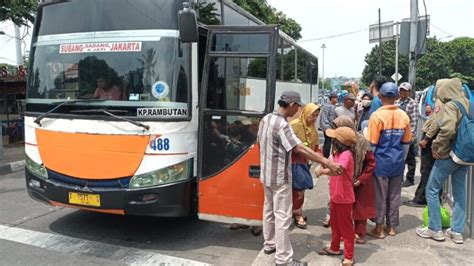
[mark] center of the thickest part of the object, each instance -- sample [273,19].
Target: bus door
[238,89]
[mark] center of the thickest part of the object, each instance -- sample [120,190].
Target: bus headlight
[36,169]
[170,174]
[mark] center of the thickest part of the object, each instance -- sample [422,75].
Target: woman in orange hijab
[305,129]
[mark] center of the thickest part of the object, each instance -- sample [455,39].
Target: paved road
[34,233]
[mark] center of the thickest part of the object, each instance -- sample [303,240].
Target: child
[341,192]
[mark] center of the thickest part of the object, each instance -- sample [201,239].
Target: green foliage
[20,12]
[207,13]
[441,60]
[269,15]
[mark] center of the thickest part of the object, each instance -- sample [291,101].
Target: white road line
[75,246]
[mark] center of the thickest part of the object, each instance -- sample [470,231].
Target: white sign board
[386,32]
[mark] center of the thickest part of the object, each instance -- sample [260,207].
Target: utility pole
[323,47]
[380,44]
[18,45]
[413,44]
[397,25]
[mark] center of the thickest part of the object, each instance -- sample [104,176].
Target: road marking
[75,246]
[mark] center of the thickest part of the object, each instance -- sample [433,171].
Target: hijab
[305,130]
[361,147]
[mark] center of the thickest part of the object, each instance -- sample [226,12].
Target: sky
[343,56]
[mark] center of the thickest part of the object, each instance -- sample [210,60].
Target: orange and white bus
[124,116]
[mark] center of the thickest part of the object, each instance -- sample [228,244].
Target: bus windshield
[131,65]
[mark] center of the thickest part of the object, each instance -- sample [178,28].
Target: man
[429,130]
[277,141]
[448,118]
[407,104]
[374,87]
[328,114]
[347,108]
[389,133]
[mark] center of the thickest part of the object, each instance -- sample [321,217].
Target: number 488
[160,144]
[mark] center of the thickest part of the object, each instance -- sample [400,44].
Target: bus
[127,115]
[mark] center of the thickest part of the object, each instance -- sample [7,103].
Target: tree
[269,15]
[20,12]
[207,13]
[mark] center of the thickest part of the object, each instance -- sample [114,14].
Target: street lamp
[323,47]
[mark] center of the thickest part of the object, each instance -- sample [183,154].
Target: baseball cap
[332,95]
[350,96]
[345,135]
[389,90]
[291,97]
[405,85]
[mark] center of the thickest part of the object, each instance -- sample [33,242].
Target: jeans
[427,162]
[441,170]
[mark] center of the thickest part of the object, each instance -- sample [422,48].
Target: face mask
[366,103]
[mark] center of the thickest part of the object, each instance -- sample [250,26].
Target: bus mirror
[188,29]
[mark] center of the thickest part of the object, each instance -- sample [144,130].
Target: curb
[12,167]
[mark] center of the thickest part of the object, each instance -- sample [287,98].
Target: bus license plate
[84,199]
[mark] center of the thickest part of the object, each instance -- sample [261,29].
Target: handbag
[302,178]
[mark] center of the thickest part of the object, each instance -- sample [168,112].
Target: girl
[341,192]
[364,206]
[305,129]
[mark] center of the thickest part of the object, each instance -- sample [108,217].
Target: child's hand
[356,183]
[318,171]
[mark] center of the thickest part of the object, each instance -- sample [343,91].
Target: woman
[364,206]
[363,110]
[305,129]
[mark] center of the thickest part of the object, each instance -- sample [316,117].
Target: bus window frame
[273,32]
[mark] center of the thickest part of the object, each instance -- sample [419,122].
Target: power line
[438,28]
[333,36]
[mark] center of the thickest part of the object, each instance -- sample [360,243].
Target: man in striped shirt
[277,141]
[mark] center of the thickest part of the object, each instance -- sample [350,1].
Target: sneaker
[425,232]
[455,237]
[412,203]
[408,183]
[269,251]
[294,263]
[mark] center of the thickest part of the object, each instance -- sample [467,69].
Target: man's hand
[435,154]
[335,168]
[423,143]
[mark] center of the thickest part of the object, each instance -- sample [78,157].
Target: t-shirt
[277,139]
[376,104]
[389,129]
[341,188]
[342,110]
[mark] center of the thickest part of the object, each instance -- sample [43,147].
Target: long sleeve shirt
[411,108]
[328,114]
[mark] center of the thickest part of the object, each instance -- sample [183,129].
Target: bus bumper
[171,200]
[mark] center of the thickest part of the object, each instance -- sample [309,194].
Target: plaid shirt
[411,108]
[277,139]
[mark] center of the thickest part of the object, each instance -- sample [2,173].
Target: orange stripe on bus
[91,156]
[110,211]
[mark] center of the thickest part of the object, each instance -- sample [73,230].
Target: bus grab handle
[254,171]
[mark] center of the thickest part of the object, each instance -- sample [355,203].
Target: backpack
[463,146]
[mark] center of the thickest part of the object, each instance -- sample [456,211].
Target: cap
[332,95]
[291,97]
[389,90]
[350,96]
[244,120]
[345,135]
[405,85]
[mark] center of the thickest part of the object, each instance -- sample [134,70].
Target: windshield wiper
[61,103]
[110,113]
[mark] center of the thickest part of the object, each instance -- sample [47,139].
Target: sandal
[328,252]
[360,241]
[347,263]
[301,225]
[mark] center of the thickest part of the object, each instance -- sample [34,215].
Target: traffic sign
[397,76]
